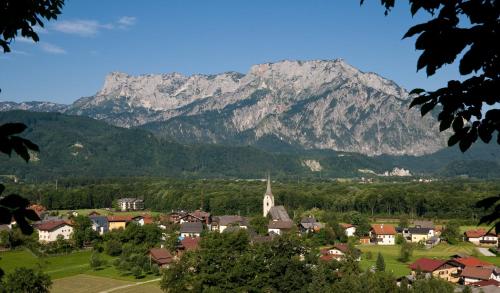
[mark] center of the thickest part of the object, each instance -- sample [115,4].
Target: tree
[27,280]
[96,261]
[405,252]
[113,247]
[403,222]
[451,232]
[466,30]
[259,224]
[380,264]
[82,231]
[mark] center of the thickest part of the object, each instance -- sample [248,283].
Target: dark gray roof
[101,221]
[278,213]
[191,227]
[419,231]
[280,224]
[227,220]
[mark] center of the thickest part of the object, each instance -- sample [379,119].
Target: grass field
[391,254]
[62,266]
[91,284]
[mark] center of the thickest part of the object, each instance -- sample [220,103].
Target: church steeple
[268,201]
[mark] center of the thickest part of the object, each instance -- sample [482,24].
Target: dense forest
[439,199]
[76,147]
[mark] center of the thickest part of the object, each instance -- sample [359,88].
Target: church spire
[268,190]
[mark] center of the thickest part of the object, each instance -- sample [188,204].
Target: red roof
[160,255]
[471,261]
[51,225]
[190,243]
[345,225]
[119,218]
[479,273]
[383,229]
[477,233]
[328,257]
[427,265]
[37,208]
[483,283]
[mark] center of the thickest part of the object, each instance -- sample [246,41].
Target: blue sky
[92,38]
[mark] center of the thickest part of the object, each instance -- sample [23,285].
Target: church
[279,221]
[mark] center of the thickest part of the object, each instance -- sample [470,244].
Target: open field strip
[85,283]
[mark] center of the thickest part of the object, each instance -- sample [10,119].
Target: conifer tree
[380,264]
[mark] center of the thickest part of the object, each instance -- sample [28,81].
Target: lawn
[62,266]
[391,254]
[89,284]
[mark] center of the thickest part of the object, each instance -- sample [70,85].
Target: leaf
[454,139]
[5,215]
[488,202]
[427,107]
[465,143]
[458,124]
[445,123]
[9,129]
[31,215]
[416,91]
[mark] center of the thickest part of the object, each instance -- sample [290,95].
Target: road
[485,251]
[130,285]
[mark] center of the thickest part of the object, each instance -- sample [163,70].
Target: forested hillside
[79,147]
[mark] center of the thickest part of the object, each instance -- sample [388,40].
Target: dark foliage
[465,30]
[21,16]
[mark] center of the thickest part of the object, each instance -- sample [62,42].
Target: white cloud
[88,28]
[52,49]
[24,40]
[126,21]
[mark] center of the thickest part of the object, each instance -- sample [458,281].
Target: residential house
[310,224]
[143,219]
[100,224]
[220,223]
[436,268]
[469,261]
[118,222]
[349,229]
[130,204]
[383,234]
[418,234]
[337,251]
[365,240]
[472,274]
[175,216]
[93,213]
[487,283]
[481,237]
[205,217]
[160,256]
[49,231]
[190,218]
[279,227]
[191,229]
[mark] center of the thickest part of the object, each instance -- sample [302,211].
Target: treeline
[441,199]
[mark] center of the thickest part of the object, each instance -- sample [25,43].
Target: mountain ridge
[316,104]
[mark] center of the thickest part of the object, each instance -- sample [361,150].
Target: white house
[338,252]
[472,274]
[383,234]
[221,223]
[191,229]
[130,204]
[349,229]
[48,231]
[481,237]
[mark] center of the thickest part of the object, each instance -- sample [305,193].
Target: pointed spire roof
[268,190]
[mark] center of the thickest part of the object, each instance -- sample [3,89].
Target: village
[191,226]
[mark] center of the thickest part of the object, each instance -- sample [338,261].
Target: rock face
[312,104]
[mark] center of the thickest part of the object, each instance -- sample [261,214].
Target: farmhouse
[161,257]
[349,229]
[472,274]
[130,204]
[279,227]
[143,220]
[383,234]
[481,237]
[191,229]
[117,222]
[49,231]
[338,252]
[221,223]
[437,268]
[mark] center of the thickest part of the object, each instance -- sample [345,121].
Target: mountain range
[302,105]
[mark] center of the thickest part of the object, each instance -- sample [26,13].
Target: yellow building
[117,222]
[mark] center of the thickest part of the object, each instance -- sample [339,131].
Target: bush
[113,247]
[400,239]
[369,255]
[155,269]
